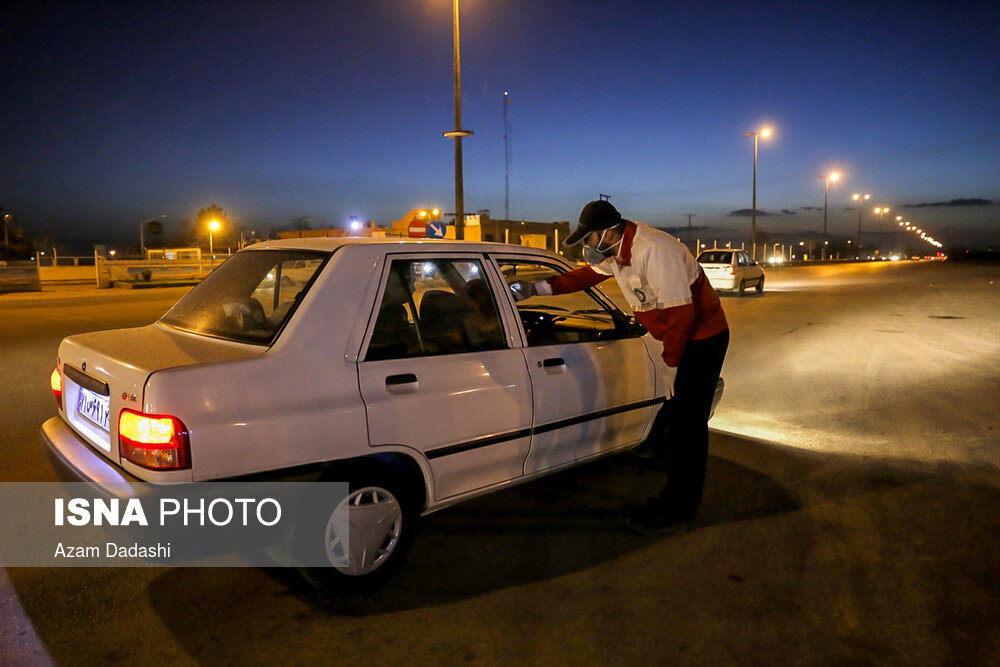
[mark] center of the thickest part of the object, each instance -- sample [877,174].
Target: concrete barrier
[110,273]
[19,280]
[67,274]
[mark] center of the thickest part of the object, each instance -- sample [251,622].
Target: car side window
[577,317]
[741,259]
[435,306]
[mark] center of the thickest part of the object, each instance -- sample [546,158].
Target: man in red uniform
[673,300]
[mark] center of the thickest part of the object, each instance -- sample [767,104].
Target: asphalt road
[850,517]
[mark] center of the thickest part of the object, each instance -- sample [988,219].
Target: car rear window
[715,257]
[249,297]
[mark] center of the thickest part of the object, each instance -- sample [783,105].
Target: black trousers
[684,446]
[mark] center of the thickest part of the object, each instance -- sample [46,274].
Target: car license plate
[95,408]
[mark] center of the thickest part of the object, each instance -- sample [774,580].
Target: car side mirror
[632,328]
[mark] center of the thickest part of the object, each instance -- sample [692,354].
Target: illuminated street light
[880,211]
[213,226]
[766,132]
[860,199]
[832,176]
[6,245]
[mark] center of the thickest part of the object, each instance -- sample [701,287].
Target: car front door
[591,375]
[442,376]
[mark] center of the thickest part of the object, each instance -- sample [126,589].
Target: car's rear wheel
[742,289]
[760,285]
[381,518]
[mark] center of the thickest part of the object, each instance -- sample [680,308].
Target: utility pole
[689,216]
[506,157]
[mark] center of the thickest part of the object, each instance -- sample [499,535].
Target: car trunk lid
[106,371]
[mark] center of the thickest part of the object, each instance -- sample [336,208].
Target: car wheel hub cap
[375,522]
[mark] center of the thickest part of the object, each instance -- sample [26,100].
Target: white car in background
[404,368]
[731,270]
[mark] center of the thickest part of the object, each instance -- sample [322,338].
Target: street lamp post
[766,132]
[832,176]
[861,200]
[881,211]
[458,132]
[6,245]
[213,226]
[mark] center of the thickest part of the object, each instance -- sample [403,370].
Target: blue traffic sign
[436,229]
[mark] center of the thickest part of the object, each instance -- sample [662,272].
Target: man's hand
[522,289]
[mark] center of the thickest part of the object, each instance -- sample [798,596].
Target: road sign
[418,229]
[436,229]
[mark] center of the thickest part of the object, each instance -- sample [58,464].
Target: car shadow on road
[537,531]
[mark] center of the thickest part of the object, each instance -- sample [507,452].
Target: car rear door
[592,378]
[441,375]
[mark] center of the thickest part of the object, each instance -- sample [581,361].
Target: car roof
[329,244]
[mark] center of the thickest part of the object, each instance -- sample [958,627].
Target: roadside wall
[20,280]
[117,271]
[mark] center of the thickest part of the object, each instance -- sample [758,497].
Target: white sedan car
[731,270]
[404,368]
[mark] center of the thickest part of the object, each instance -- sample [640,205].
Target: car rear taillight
[730,270]
[55,381]
[159,442]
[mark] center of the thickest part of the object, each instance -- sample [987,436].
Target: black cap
[595,216]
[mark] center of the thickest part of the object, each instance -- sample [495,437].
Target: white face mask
[598,255]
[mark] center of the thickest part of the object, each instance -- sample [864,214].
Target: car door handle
[553,362]
[402,378]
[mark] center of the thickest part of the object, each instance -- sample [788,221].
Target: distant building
[172,254]
[478,227]
[361,229]
[545,235]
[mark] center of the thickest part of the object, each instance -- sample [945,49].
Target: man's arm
[571,281]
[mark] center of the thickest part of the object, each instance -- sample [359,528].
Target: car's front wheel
[365,537]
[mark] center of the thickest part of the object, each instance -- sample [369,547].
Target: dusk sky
[115,112]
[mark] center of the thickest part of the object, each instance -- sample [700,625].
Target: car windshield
[715,257]
[249,297]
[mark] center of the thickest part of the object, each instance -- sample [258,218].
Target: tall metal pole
[689,216]
[459,186]
[6,245]
[826,198]
[753,212]
[861,205]
[506,158]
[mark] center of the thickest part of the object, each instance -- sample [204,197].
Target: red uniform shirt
[665,286]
